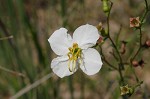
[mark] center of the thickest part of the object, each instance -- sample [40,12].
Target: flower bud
[123,47]
[101,30]
[100,40]
[147,44]
[135,63]
[131,91]
[99,27]
[105,6]
[141,63]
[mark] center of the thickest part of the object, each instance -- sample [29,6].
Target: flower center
[74,54]
[125,90]
[134,22]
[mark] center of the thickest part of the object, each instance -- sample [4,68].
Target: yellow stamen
[74,54]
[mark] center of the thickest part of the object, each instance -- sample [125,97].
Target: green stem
[104,59]
[118,35]
[115,47]
[110,37]
[139,49]
[146,5]
[139,84]
[146,12]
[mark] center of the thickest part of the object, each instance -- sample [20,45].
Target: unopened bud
[147,43]
[135,63]
[99,27]
[141,63]
[131,91]
[100,40]
[123,47]
[102,30]
[105,6]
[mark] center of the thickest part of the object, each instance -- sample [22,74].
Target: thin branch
[115,47]
[146,5]
[104,59]
[118,35]
[140,47]
[5,38]
[12,72]
[109,17]
[110,37]
[113,54]
[30,87]
[110,65]
[146,12]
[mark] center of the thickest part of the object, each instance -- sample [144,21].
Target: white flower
[75,52]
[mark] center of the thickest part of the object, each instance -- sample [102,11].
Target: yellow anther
[74,54]
[70,49]
[75,45]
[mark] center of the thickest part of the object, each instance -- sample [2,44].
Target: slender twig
[5,31]
[109,17]
[110,37]
[110,65]
[139,49]
[120,73]
[14,46]
[137,79]
[5,38]
[30,87]
[12,72]
[118,35]
[138,84]
[113,54]
[146,11]
[104,59]
[115,47]
[146,5]
[140,46]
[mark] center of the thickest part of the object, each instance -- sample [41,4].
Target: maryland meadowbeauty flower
[135,22]
[74,52]
[126,90]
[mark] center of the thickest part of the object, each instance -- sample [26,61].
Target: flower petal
[91,62]
[60,41]
[59,66]
[86,36]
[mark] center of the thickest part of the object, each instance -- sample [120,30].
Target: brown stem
[140,47]
[115,47]
[104,59]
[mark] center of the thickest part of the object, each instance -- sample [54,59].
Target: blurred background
[26,57]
